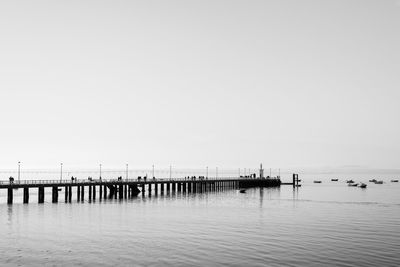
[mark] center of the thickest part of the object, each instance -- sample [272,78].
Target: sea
[326,224]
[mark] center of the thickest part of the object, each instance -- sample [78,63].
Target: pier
[128,188]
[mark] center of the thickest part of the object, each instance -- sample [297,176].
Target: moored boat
[378,182]
[362,185]
[394,181]
[373,180]
[317,182]
[349,181]
[353,184]
[334,180]
[242,190]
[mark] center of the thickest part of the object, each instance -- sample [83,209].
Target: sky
[288,83]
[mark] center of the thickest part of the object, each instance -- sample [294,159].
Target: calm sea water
[328,224]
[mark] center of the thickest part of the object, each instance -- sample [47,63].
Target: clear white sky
[197,83]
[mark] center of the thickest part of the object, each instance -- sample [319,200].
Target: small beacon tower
[261,171]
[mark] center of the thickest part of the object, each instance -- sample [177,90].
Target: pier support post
[125,191]
[121,191]
[105,192]
[162,188]
[156,189]
[69,193]
[78,193]
[100,191]
[143,190]
[94,192]
[168,187]
[179,186]
[294,180]
[66,194]
[184,187]
[173,187]
[149,189]
[10,195]
[26,194]
[90,193]
[82,193]
[41,194]
[54,194]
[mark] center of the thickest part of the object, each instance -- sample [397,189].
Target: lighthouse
[261,172]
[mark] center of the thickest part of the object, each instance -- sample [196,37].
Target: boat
[378,182]
[394,181]
[334,180]
[317,182]
[362,185]
[349,181]
[242,190]
[373,180]
[298,185]
[353,184]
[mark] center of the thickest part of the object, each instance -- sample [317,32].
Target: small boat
[372,181]
[59,189]
[334,180]
[379,182]
[352,184]
[298,185]
[349,181]
[242,190]
[362,185]
[299,180]
[394,181]
[317,182]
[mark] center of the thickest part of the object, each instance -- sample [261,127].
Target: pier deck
[127,188]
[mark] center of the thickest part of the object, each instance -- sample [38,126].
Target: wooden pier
[128,188]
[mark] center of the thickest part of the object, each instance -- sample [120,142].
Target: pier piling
[26,195]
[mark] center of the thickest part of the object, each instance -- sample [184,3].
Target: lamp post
[153,170]
[61,166]
[100,171]
[207,172]
[19,171]
[126,172]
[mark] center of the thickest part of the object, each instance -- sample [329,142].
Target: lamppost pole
[153,170]
[100,171]
[19,171]
[61,166]
[207,172]
[126,171]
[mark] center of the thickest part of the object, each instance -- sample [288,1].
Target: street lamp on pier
[61,166]
[19,171]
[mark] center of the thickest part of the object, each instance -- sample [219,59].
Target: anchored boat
[362,185]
